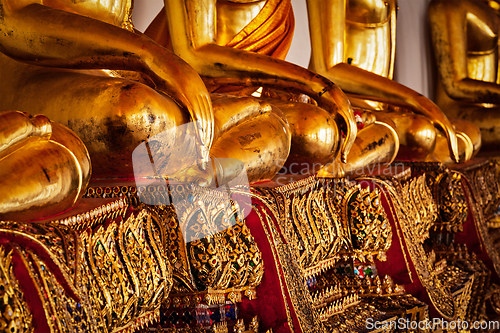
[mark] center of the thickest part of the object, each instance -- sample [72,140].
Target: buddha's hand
[331,98]
[427,108]
[175,78]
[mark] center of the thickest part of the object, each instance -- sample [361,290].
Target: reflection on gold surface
[56,61]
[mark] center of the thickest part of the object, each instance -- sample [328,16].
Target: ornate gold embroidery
[15,315]
[408,217]
[483,197]
[450,200]
[219,247]
[369,228]
[63,312]
[354,319]
[485,181]
[214,256]
[175,248]
[293,279]
[323,222]
[112,280]
[125,271]
[254,325]
[464,266]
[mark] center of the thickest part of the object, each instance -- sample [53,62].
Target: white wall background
[413,51]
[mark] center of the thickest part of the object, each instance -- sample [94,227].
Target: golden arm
[327,58]
[193,40]
[449,38]
[46,36]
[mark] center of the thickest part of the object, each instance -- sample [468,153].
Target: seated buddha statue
[242,44]
[465,40]
[353,44]
[82,64]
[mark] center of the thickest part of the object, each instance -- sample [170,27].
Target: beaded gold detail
[103,192]
[209,297]
[97,215]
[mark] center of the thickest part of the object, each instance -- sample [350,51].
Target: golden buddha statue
[465,39]
[243,43]
[44,167]
[53,61]
[353,44]
[83,65]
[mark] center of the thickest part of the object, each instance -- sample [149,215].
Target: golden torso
[482,47]
[481,27]
[116,12]
[368,35]
[233,16]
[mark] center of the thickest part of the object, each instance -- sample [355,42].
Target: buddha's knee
[315,135]
[417,136]
[376,143]
[44,167]
[261,143]
[142,111]
[123,116]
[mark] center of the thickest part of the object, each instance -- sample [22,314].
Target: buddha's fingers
[350,135]
[469,146]
[201,112]
[334,99]
[324,92]
[451,137]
